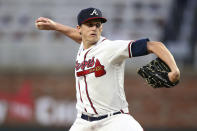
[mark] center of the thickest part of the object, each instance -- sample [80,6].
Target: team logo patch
[94,12]
[95,67]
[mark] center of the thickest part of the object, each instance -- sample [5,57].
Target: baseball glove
[156,74]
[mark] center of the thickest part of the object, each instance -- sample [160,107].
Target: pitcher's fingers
[42,19]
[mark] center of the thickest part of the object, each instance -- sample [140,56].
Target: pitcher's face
[91,31]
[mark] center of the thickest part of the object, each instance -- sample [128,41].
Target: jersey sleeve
[122,49]
[119,50]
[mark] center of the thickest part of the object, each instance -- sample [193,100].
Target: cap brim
[102,19]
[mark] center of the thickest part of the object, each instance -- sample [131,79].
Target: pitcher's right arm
[43,23]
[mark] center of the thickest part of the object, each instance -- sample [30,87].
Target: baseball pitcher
[99,72]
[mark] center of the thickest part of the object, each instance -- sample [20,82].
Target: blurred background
[37,86]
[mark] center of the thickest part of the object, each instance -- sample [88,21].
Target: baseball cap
[90,14]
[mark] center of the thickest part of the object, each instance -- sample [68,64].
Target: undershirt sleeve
[139,47]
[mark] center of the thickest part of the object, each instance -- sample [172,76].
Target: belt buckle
[109,114]
[88,118]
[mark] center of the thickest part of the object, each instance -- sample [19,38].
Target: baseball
[39,25]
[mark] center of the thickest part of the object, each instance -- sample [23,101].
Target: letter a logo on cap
[94,12]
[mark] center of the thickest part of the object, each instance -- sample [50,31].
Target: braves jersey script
[99,75]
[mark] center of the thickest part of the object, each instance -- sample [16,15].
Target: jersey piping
[87,87]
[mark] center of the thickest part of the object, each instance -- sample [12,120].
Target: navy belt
[90,118]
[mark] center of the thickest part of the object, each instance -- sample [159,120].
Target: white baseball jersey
[100,77]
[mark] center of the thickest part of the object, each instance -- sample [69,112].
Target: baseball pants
[119,122]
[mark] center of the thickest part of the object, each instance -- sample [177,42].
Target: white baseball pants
[119,122]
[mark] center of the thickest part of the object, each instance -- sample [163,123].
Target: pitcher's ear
[101,27]
[79,29]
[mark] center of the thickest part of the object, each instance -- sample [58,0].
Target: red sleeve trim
[103,40]
[129,48]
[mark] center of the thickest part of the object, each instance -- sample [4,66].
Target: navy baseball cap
[90,14]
